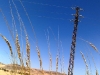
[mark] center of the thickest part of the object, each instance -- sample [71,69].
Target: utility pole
[73,44]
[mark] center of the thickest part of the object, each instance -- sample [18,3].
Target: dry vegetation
[24,68]
[8,70]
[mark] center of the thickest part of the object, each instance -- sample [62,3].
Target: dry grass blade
[18,47]
[62,58]
[50,56]
[85,63]
[50,63]
[58,51]
[11,52]
[19,18]
[19,52]
[27,48]
[7,24]
[27,42]
[29,22]
[56,64]
[97,72]
[58,55]
[92,58]
[8,43]
[13,19]
[38,51]
[28,54]
[92,45]
[93,62]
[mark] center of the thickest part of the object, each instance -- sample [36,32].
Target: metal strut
[73,44]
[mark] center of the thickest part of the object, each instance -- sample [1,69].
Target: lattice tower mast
[73,44]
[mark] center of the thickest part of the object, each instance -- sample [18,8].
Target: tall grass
[95,48]
[92,45]
[28,54]
[11,52]
[50,56]
[87,71]
[25,67]
[8,43]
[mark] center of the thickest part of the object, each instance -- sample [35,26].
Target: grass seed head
[18,47]
[94,47]
[8,43]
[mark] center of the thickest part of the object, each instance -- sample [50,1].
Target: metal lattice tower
[73,44]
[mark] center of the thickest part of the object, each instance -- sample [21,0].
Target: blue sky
[54,14]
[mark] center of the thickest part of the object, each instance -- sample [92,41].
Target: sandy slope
[2,65]
[6,73]
[33,71]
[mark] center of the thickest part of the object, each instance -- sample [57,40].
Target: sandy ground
[6,73]
[2,65]
[33,71]
[3,72]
